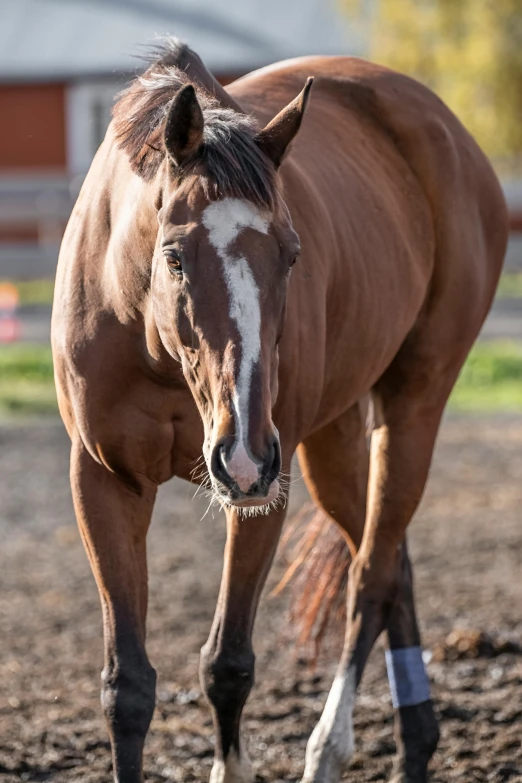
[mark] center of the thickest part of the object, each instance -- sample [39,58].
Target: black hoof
[417,737]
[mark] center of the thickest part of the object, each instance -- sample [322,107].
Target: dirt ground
[466,544]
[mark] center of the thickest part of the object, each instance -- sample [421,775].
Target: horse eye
[173,261]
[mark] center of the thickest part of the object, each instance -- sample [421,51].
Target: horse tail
[317,575]
[319,559]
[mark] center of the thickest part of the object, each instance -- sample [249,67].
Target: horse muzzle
[240,478]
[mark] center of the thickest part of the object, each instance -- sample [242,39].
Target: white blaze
[224,220]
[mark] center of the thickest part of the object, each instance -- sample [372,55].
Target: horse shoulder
[107,392]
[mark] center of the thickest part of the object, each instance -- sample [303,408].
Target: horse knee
[227,678]
[128,697]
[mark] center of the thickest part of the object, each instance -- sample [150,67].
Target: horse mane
[233,163]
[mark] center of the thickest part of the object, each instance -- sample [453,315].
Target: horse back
[450,168]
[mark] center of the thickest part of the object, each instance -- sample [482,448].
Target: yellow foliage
[467,51]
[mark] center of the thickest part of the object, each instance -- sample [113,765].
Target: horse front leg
[227,658]
[113,520]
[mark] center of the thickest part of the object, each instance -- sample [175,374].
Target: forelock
[234,165]
[229,160]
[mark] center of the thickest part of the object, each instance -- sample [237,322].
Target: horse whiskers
[208,509]
[253,511]
[213,498]
[202,489]
[286,480]
[199,465]
[200,478]
[205,489]
[200,475]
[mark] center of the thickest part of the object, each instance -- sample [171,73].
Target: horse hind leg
[334,462]
[416,730]
[378,594]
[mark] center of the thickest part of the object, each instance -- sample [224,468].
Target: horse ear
[275,138]
[184,126]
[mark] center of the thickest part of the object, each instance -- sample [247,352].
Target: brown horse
[181,327]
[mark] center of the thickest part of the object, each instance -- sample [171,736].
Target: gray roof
[67,39]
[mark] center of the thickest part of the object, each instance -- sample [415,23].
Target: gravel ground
[466,544]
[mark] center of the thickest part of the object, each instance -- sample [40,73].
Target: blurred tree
[468,51]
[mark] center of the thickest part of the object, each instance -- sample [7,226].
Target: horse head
[223,255]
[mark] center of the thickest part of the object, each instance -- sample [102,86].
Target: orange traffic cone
[9,322]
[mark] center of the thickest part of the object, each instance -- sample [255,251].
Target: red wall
[32,127]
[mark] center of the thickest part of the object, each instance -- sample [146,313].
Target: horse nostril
[222,456]
[218,463]
[273,461]
[239,473]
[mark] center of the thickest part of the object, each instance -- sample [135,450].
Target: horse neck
[125,266]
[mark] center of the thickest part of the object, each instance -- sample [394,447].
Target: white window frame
[80,125]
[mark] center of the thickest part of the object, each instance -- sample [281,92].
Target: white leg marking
[331,745]
[236,769]
[224,220]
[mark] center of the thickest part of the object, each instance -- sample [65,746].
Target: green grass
[26,380]
[491,380]
[41,291]
[34,292]
[510,286]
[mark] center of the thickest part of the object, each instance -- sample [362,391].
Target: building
[63,61]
